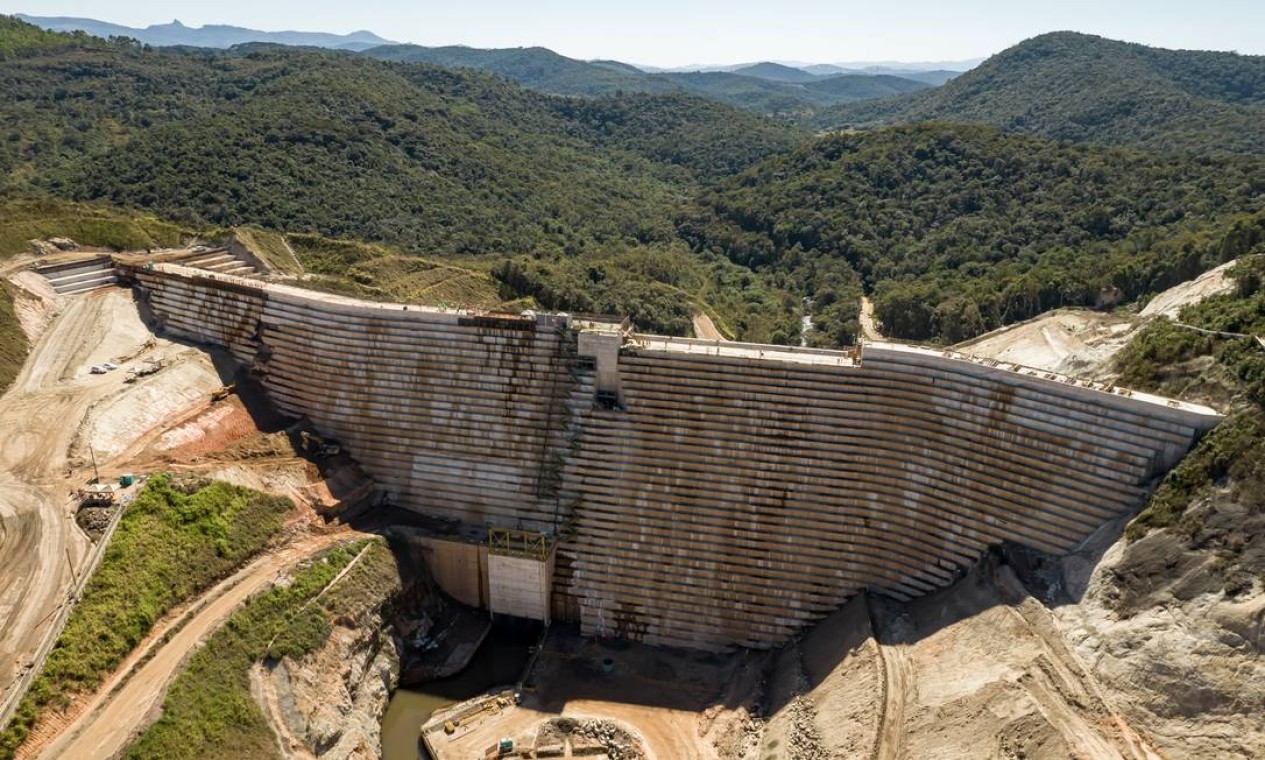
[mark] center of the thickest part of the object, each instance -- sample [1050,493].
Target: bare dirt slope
[35,303]
[1171,301]
[1081,342]
[1179,656]
[826,690]
[1069,341]
[975,670]
[53,404]
[705,328]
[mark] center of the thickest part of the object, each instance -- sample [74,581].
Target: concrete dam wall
[693,493]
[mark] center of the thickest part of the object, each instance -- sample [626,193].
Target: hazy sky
[678,32]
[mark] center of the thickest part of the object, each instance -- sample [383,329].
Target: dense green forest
[453,163]
[1082,88]
[533,67]
[422,159]
[656,206]
[411,155]
[700,136]
[17,38]
[957,229]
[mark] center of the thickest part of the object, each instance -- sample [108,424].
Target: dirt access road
[705,328]
[45,417]
[128,701]
[978,669]
[869,329]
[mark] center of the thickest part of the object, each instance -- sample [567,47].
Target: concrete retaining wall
[731,494]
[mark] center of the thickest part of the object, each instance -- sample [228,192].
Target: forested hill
[18,38]
[1082,88]
[429,161]
[657,206]
[959,229]
[444,161]
[534,67]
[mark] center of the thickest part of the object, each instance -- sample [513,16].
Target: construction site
[733,524]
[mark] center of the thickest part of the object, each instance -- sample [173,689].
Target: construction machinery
[317,446]
[149,367]
[96,495]
[219,394]
[487,706]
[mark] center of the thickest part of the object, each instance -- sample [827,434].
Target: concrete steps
[218,260]
[81,276]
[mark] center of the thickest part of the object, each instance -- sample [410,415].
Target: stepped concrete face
[75,277]
[700,494]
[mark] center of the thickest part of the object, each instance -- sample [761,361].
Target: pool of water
[499,662]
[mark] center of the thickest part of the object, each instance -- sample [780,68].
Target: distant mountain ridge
[211,35]
[1083,88]
[767,88]
[777,72]
[827,69]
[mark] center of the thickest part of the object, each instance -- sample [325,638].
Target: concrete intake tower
[674,491]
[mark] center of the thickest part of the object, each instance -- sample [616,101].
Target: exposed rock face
[331,703]
[34,302]
[1179,655]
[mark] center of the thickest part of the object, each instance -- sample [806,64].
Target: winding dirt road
[129,700]
[54,406]
[869,328]
[41,548]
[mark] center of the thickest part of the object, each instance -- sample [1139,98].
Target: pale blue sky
[678,32]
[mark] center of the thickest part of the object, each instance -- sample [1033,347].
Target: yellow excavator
[316,446]
[219,394]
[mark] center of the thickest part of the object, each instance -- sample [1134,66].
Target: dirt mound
[1068,341]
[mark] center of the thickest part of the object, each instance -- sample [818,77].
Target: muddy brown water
[499,662]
